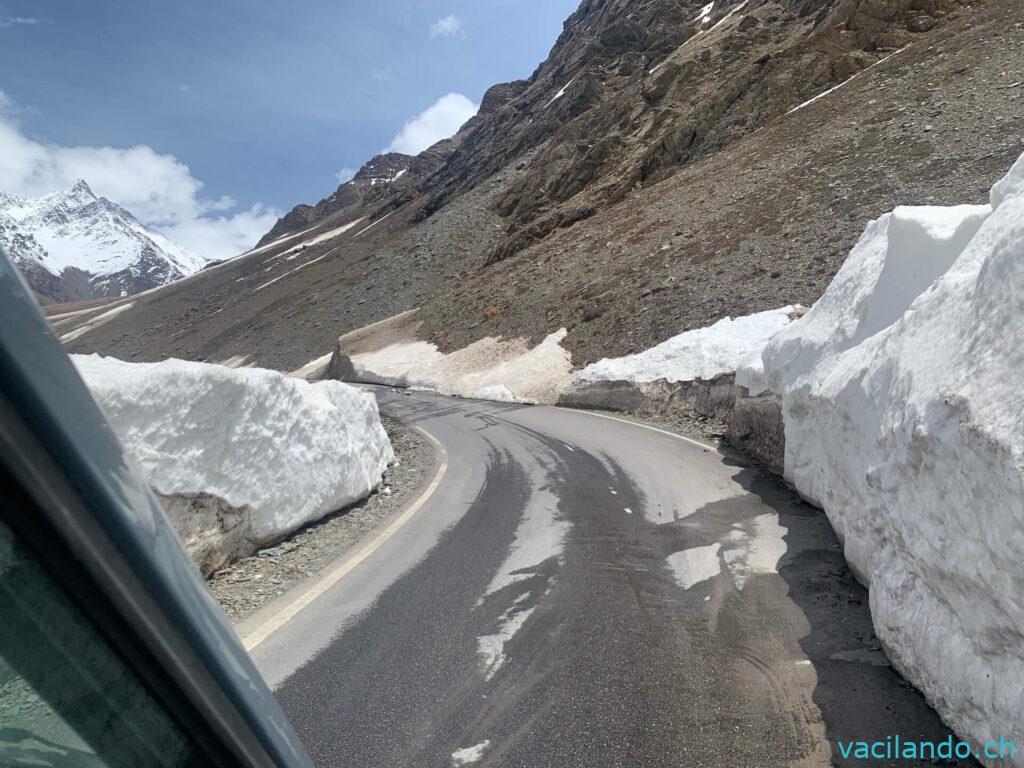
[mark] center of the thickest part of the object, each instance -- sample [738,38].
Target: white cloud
[158,189]
[449,26]
[10,21]
[439,121]
[345,174]
[221,237]
[222,203]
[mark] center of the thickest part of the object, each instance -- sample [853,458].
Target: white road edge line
[332,577]
[689,440]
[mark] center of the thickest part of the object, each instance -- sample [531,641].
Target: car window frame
[104,537]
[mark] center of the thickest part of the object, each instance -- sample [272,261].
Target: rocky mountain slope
[671,163]
[72,244]
[375,181]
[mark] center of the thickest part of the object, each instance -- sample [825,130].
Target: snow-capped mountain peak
[74,233]
[62,201]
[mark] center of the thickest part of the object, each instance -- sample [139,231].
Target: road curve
[583,591]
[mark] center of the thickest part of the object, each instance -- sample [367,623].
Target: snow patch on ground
[705,13]
[96,322]
[730,14]
[300,267]
[491,648]
[509,371]
[539,537]
[703,353]
[751,548]
[371,226]
[468,755]
[321,238]
[314,369]
[756,547]
[276,243]
[397,365]
[512,371]
[903,406]
[285,449]
[497,392]
[560,94]
[692,566]
[235,361]
[845,82]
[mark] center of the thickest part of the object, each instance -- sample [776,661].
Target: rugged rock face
[660,84]
[499,95]
[385,183]
[378,179]
[31,259]
[633,90]
[665,167]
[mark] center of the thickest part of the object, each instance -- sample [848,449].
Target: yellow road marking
[335,575]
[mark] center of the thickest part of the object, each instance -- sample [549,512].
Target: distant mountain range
[72,245]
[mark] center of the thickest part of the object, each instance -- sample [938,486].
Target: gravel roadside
[247,585]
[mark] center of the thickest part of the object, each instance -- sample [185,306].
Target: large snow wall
[903,413]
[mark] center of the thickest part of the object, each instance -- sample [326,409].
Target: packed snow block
[701,353]
[904,421]
[314,370]
[498,393]
[692,372]
[240,457]
[897,258]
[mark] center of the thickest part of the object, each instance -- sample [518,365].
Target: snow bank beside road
[691,373]
[391,353]
[902,404]
[254,455]
[702,353]
[899,256]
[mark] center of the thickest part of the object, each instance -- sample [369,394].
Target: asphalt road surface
[583,591]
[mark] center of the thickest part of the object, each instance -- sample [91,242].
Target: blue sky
[263,101]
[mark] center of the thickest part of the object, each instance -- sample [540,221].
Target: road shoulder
[254,588]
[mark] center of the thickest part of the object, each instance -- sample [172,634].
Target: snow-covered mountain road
[581,590]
